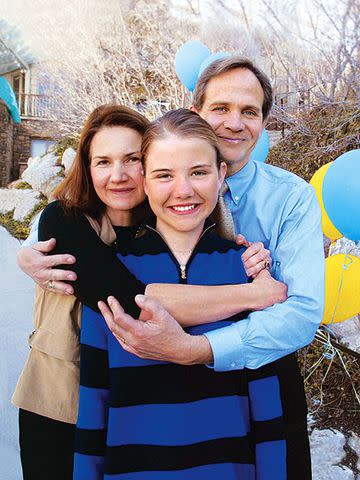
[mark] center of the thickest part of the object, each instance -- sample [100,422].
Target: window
[40,147]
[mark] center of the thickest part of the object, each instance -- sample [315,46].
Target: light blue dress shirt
[278,208]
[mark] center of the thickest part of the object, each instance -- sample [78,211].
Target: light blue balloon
[262,148]
[8,96]
[188,59]
[211,59]
[341,194]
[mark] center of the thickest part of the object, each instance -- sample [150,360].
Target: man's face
[233,107]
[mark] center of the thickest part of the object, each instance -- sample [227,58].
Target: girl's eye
[164,176]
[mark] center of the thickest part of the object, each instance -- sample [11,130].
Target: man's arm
[158,336]
[270,334]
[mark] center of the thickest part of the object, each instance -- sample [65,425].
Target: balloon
[341,194]
[188,59]
[211,58]
[342,288]
[7,94]
[262,148]
[317,182]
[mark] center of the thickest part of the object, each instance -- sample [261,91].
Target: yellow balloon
[342,288]
[327,226]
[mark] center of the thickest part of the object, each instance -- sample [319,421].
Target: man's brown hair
[76,192]
[226,65]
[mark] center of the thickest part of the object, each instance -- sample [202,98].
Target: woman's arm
[195,304]
[100,274]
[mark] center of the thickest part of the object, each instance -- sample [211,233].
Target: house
[35,132]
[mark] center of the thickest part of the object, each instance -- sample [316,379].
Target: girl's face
[116,171]
[182,182]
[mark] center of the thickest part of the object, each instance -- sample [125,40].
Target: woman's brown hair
[76,192]
[182,123]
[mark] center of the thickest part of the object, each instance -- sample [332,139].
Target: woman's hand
[256,257]
[268,290]
[38,262]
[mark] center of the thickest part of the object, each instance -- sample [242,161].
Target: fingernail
[71,276]
[68,292]
[140,298]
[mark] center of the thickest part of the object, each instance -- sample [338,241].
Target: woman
[144,419]
[100,202]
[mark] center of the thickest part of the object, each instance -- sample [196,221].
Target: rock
[348,333]
[327,451]
[21,201]
[68,159]
[354,444]
[43,173]
[343,245]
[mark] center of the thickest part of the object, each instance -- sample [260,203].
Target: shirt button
[233,365]
[236,198]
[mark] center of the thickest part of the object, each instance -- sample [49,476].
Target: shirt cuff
[228,347]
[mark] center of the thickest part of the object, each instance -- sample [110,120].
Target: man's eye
[199,173]
[133,159]
[249,113]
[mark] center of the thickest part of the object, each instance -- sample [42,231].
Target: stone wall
[6,145]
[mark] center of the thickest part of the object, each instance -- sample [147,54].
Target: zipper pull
[183,271]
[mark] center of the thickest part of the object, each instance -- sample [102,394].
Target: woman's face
[182,182]
[116,171]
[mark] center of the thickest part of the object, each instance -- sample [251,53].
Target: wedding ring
[50,284]
[267,264]
[123,341]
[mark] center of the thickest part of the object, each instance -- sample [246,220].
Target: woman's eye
[220,109]
[102,162]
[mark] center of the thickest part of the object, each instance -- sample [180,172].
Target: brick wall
[24,132]
[6,145]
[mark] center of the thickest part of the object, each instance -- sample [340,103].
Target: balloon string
[345,267]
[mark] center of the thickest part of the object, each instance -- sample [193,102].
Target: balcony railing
[38,106]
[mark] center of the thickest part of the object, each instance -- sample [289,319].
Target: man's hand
[256,257]
[269,291]
[36,263]
[157,335]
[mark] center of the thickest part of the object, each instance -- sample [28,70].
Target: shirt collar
[238,181]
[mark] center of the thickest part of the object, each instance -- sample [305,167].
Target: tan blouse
[49,382]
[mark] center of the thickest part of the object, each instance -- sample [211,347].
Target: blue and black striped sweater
[149,420]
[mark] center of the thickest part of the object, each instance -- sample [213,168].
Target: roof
[13,53]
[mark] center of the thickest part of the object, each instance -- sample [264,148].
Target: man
[266,203]
[279,209]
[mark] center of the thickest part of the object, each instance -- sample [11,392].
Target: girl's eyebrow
[161,170]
